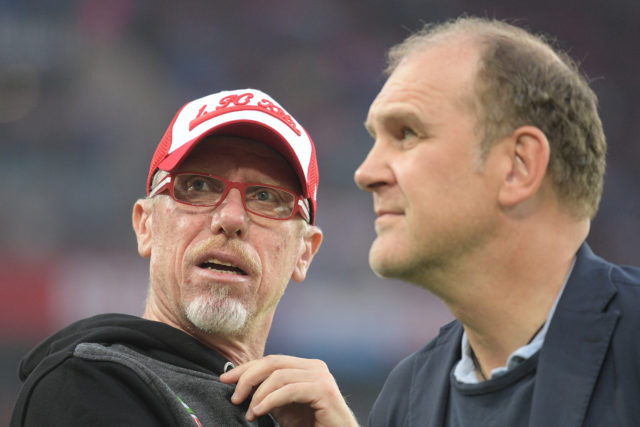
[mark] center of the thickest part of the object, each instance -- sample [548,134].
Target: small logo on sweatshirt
[190,411]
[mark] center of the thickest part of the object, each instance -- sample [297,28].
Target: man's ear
[528,158]
[141,219]
[311,244]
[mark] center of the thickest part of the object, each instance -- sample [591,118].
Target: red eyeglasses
[264,200]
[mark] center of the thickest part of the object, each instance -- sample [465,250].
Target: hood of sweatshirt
[154,339]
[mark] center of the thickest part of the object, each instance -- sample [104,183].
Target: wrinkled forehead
[438,74]
[220,154]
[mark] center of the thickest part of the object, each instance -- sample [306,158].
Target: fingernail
[249,415]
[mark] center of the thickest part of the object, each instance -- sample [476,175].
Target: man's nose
[230,216]
[374,170]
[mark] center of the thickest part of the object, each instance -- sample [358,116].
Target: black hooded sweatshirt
[121,370]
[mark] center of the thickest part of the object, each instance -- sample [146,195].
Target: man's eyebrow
[393,115]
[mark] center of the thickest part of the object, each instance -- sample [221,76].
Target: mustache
[250,261]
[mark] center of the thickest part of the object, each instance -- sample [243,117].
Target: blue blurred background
[88,87]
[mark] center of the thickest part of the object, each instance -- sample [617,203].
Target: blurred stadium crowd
[88,87]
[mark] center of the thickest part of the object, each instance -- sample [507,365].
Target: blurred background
[88,87]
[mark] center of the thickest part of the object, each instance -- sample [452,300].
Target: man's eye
[264,195]
[199,185]
[407,133]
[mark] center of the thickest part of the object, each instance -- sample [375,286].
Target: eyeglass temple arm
[304,207]
[161,186]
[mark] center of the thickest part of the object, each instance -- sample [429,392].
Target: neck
[239,348]
[478,366]
[504,296]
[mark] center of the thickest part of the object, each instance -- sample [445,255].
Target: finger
[250,375]
[268,363]
[275,398]
[303,386]
[319,398]
[232,375]
[279,379]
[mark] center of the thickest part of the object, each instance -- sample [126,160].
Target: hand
[296,391]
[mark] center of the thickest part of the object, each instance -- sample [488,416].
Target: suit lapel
[575,346]
[432,396]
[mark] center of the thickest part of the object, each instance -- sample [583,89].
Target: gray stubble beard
[218,314]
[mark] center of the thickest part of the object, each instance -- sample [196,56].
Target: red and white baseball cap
[247,113]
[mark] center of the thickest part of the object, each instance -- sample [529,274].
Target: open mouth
[223,267]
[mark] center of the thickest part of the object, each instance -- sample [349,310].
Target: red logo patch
[240,102]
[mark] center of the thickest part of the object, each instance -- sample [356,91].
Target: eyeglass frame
[301,205]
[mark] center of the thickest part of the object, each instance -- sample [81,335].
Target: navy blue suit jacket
[588,370]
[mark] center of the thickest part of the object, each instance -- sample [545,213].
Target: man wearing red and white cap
[228,220]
